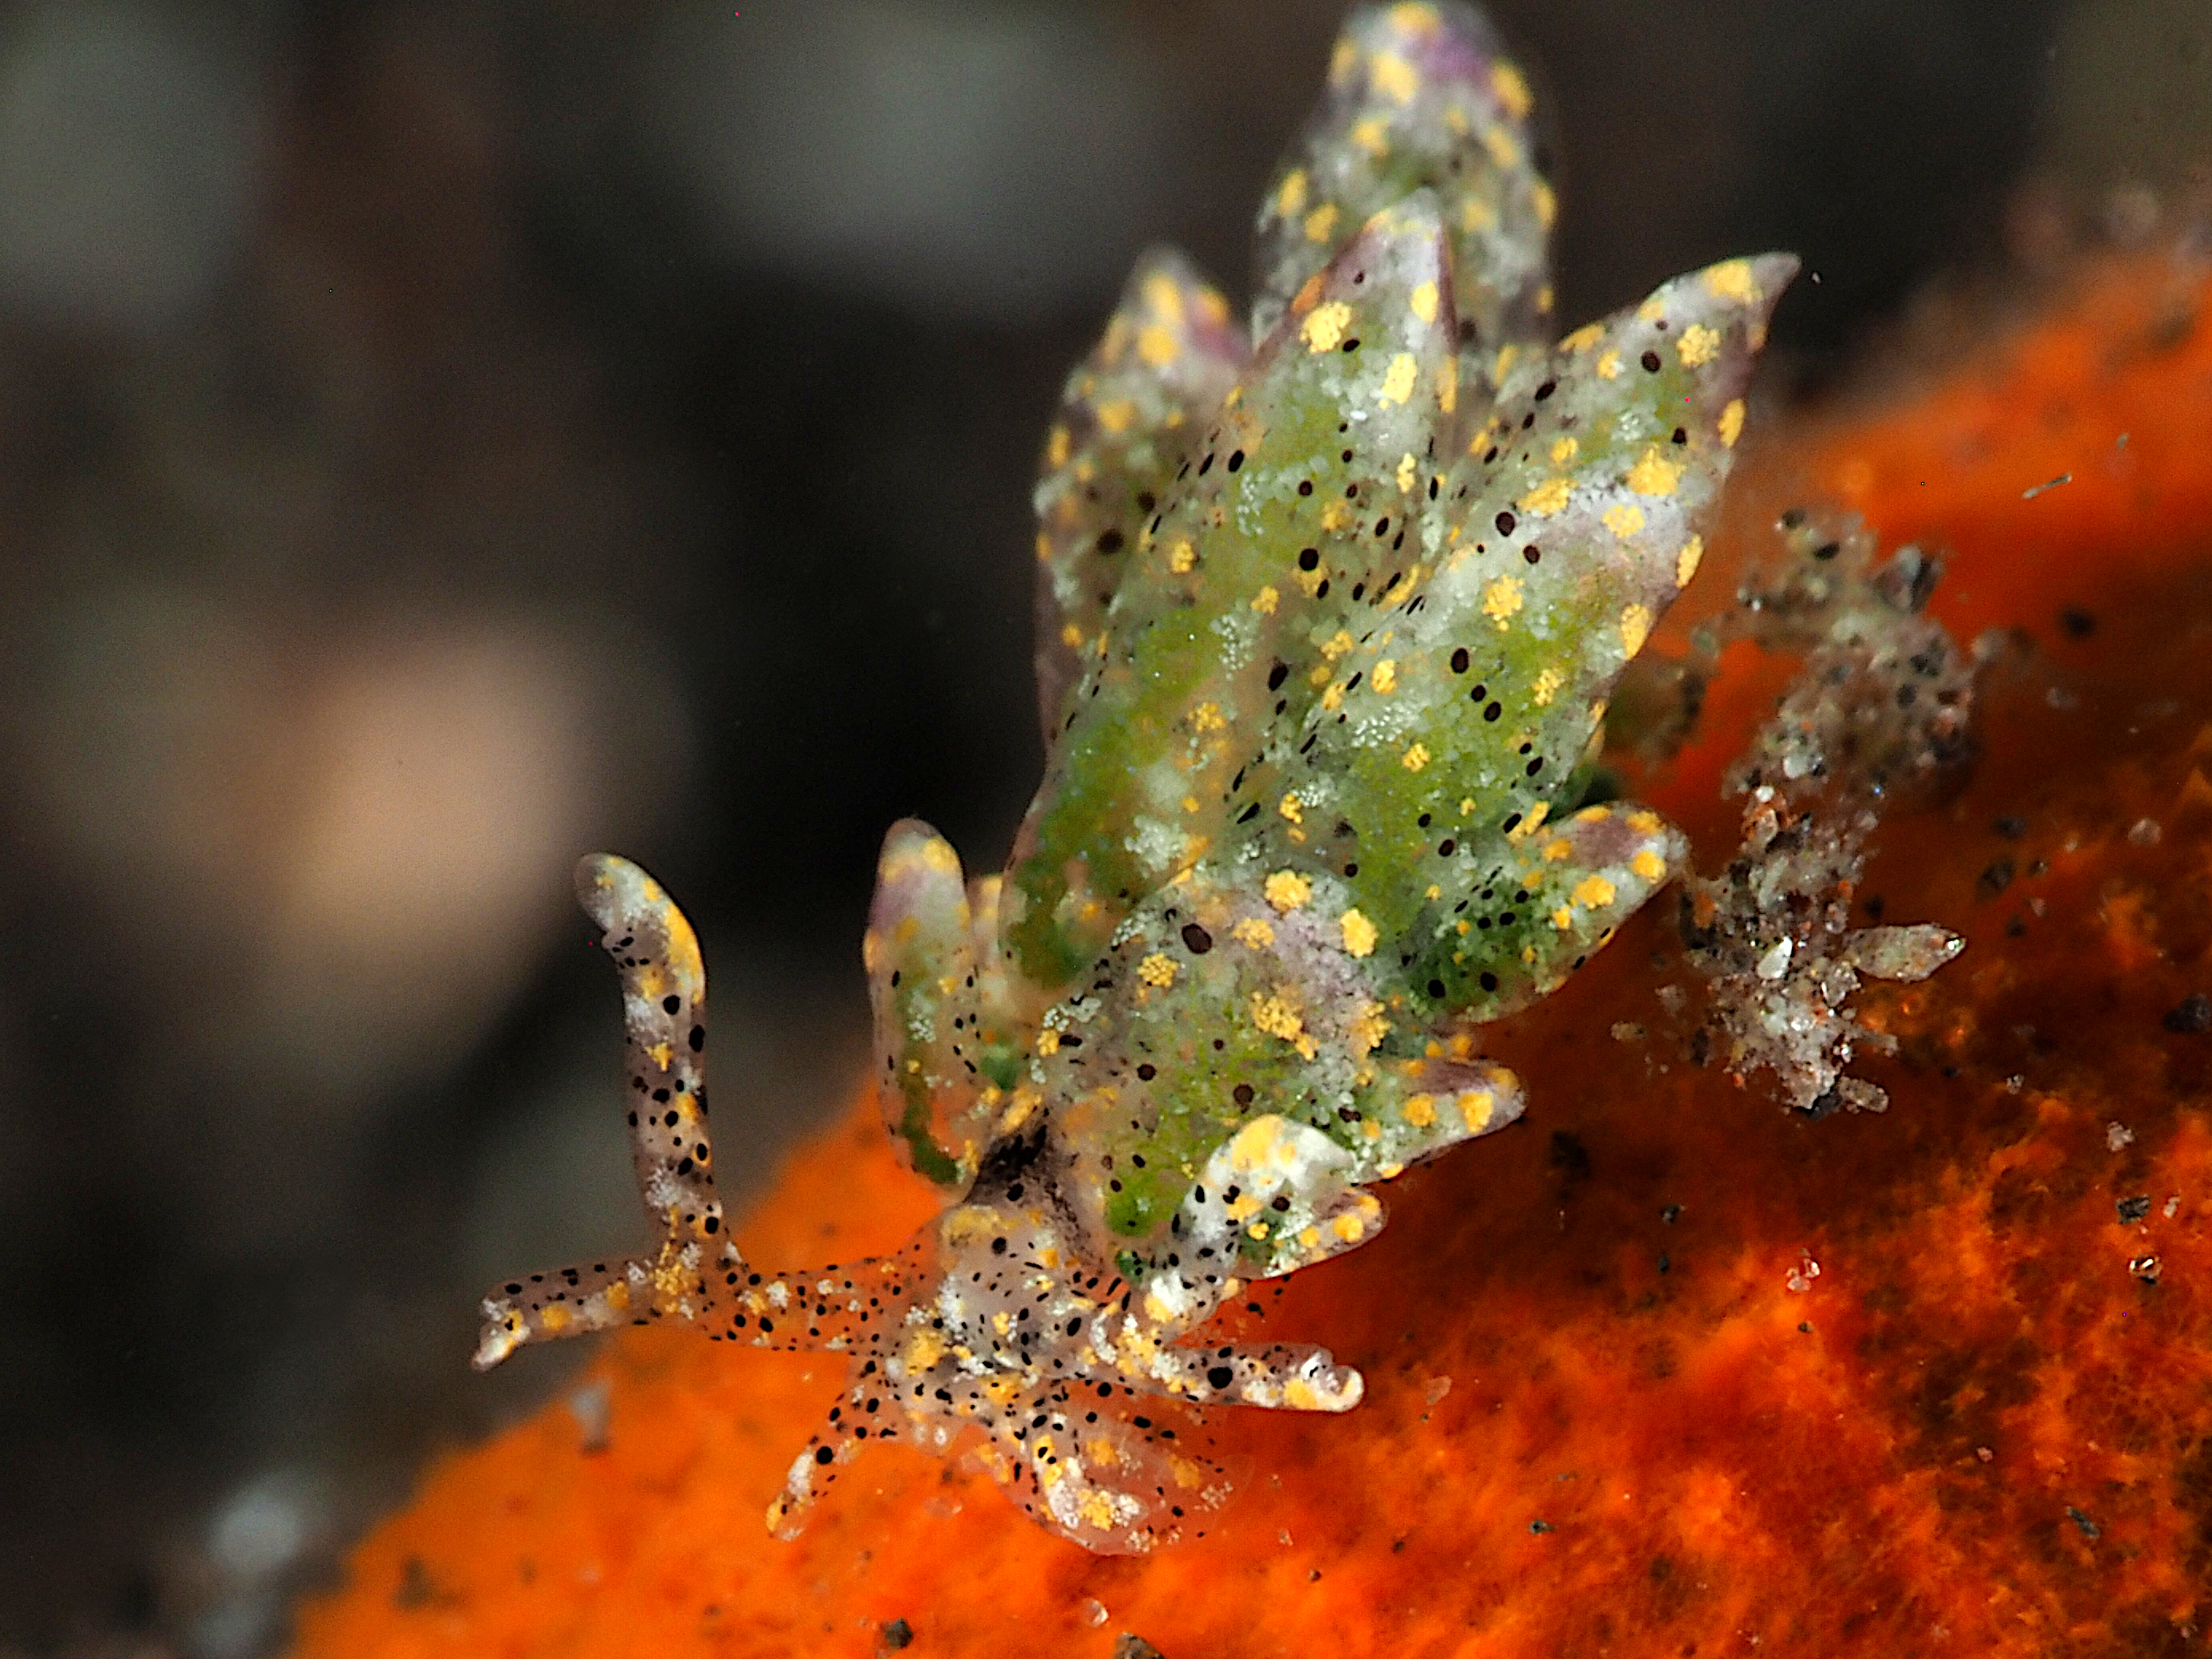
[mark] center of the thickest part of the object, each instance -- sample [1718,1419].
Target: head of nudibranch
[1328,626]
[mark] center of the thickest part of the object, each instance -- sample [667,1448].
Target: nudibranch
[1328,625]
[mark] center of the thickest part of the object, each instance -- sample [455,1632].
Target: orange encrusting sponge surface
[1662,1370]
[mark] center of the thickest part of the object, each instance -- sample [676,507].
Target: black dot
[672,1004]
[1306,486]
[1493,711]
[1436,989]
[1236,459]
[1196,938]
[1109,541]
[1459,660]
[1241,1094]
[1220,1376]
[1489,982]
[823,1454]
[1651,361]
[1505,523]
[1148,1070]
[1546,390]
[1309,558]
[1532,553]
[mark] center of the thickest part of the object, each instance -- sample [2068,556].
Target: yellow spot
[1466,805]
[1654,475]
[1117,416]
[1731,425]
[1558,850]
[1501,599]
[1277,1018]
[1564,450]
[1290,199]
[1180,557]
[1545,299]
[1592,891]
[1635,628]
[1547,498]
[1502,365]
[1291,809]
[1563,918]
[1165,298]
[1372,135]
[1447,385]
[1475,213]
[1337,644]
[1265,601]
[1528,826]
[1394,78]
[1645,822]
[1048,1042]
[1415,758]
[1547,204]
[1623,519]
[554,1319]
[1584,337]
[1286,890]
[1608,366]
[1686,562]
[1398,382]
[1254,933]
[1413,18]
[1386,676]
[1359,933]
[1420,1111]
[1733,281]
[1336,515]
[1055,447]
[1504,148]
[1699,346]
[1648,865]
[1320,222]
[1424,302]
[1043,547]
[661,1054]
[1156,344]
[1408,471]
[1211,306]
[1546,688]
[1349,1228]
[1369,1028]
[1475,1107]
[1158,969]
[1512,90]
[1342,61]
[1323,328]
[1207,717]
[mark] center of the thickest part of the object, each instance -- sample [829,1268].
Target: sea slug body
[1328,626]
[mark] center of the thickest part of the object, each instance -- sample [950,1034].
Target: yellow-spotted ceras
[1328,628]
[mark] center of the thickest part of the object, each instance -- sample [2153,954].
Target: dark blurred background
[438,440]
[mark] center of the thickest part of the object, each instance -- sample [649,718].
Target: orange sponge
[1663,1370]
